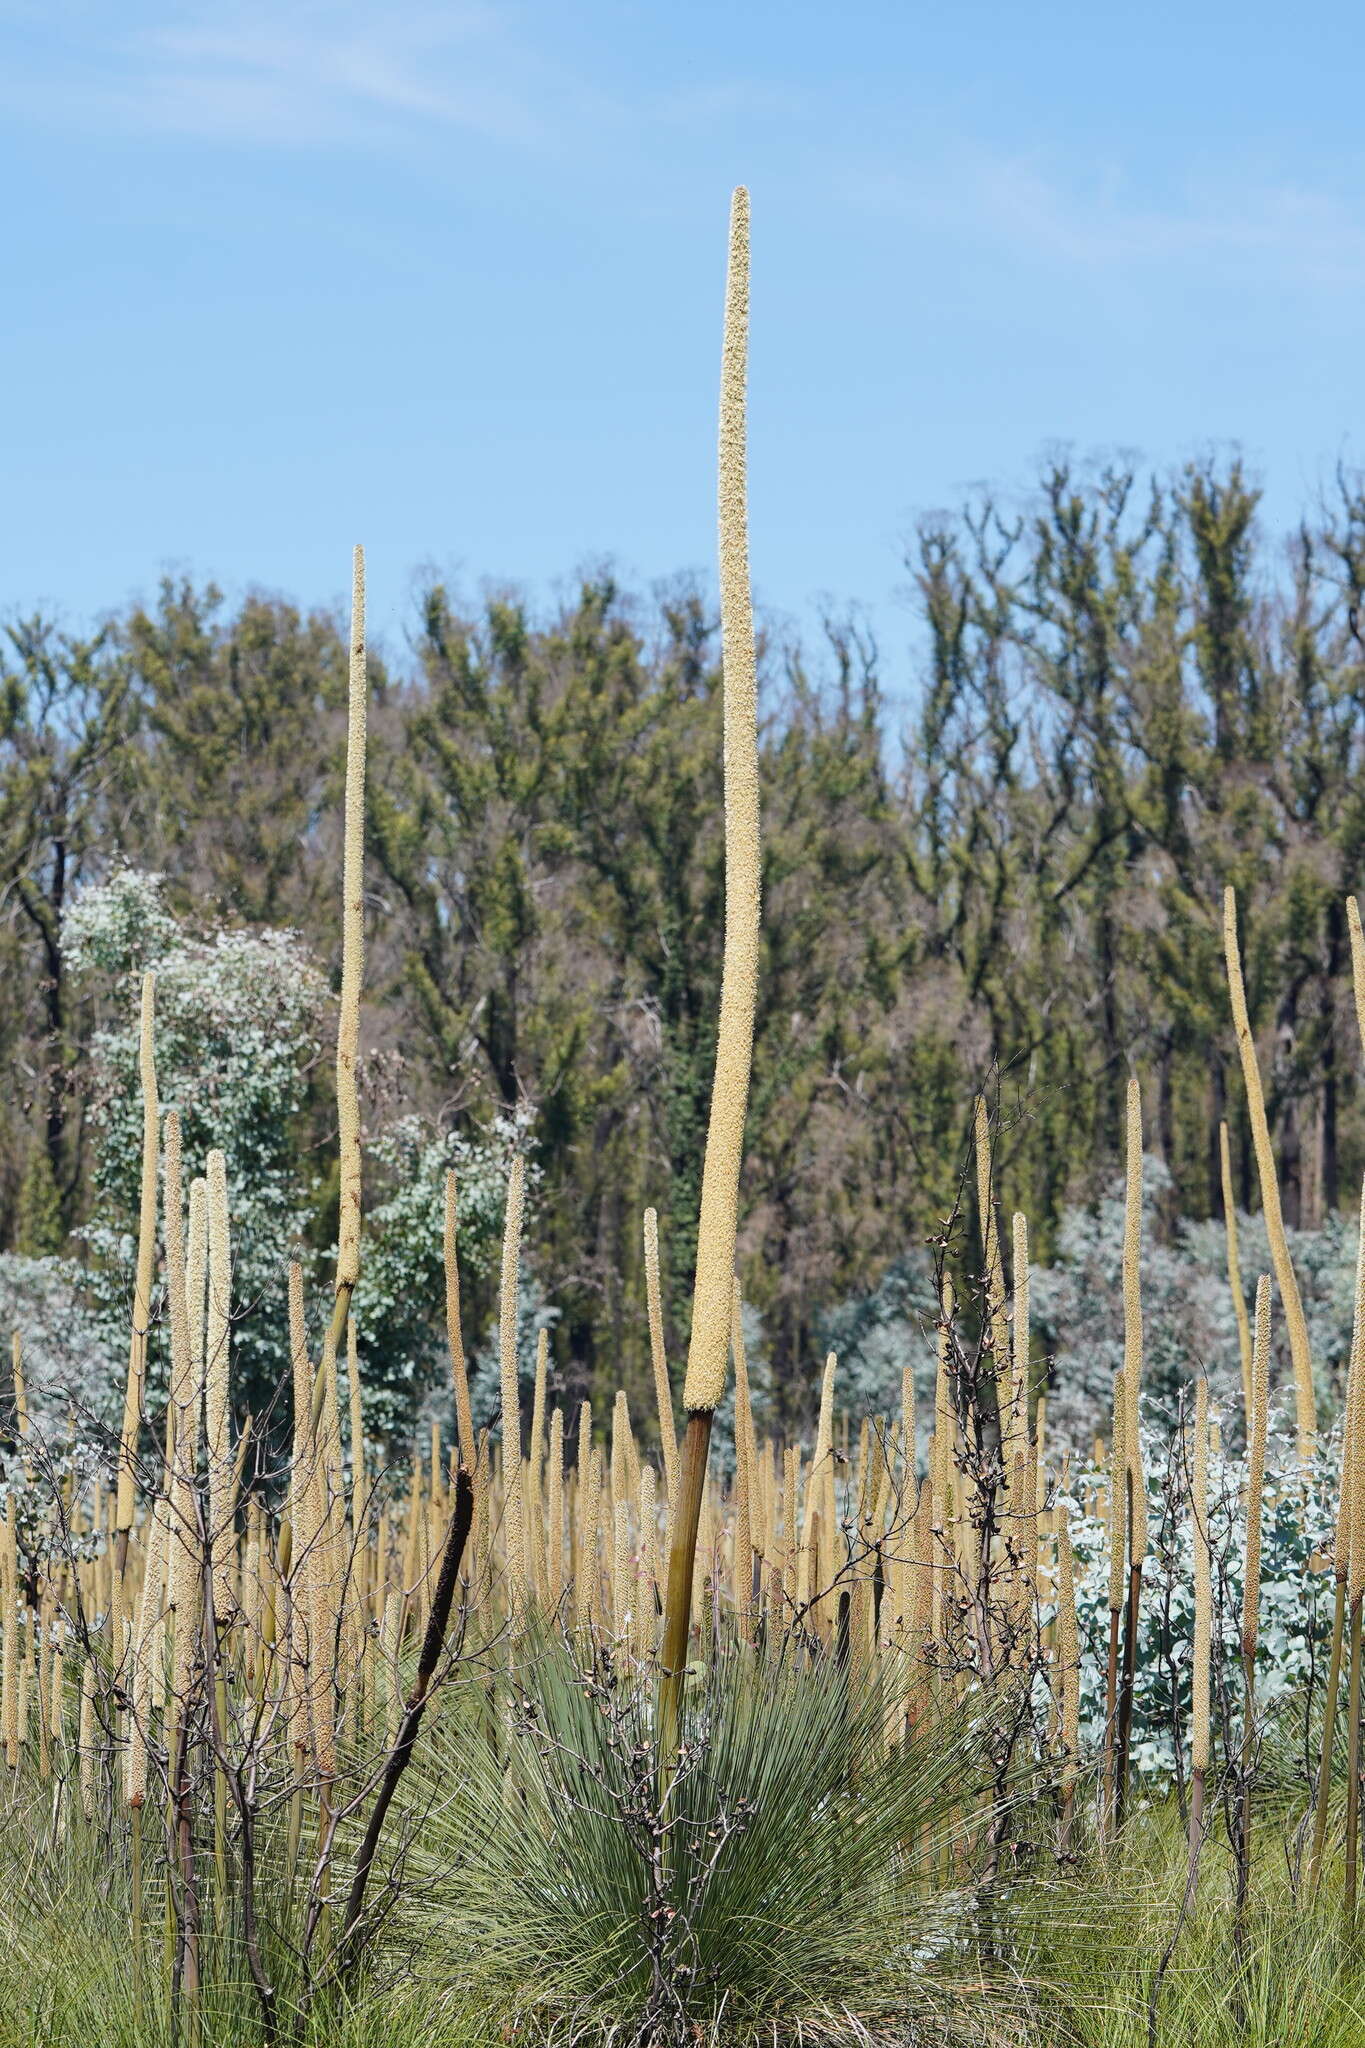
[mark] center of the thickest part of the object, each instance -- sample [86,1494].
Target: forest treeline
[1127,698]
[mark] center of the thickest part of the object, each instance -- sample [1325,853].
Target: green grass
[1091,1947]
[66,1975]
[807,1874]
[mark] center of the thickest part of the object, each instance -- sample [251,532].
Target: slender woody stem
[400,1755]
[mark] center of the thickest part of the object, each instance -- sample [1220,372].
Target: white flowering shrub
[240,1029]
[1297,1524]
[1188,1316]
[73,1388]
[400,1295]
[67,1359]
[239,1025]
[110,927]
[877,1335]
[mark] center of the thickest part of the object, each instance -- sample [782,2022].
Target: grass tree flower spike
[1201,1668]
[1203,1581]
[459,1373]
[217,1377]
[514,1527]
[348,1023]
[1304,1403]
[1251,1580]
[186,1395]
[704,1387]
[142,1283]
[1069,1663]
[1239,1306]
[668,1435]
[1347,1481]
[1357,963]
[1134,1481]
[1118,1540]
[352,946]
[1260,1400]
[704,1384]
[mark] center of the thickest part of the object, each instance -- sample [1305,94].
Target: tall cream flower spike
[217,1384]
[142,1282]
[1304,1403]
[704,1384]
[514,1525]
[668,1435]
[352,947]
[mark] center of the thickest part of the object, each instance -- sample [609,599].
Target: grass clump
[1288,1975]
[66,1962]
[797,1876]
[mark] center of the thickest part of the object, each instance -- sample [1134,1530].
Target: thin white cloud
[295,74]
[319,72]
[1279,233]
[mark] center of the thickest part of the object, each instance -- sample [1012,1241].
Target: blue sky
[448,279]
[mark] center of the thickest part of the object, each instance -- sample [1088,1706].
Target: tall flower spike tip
[1357,964]
[705,1381]
[352,944]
